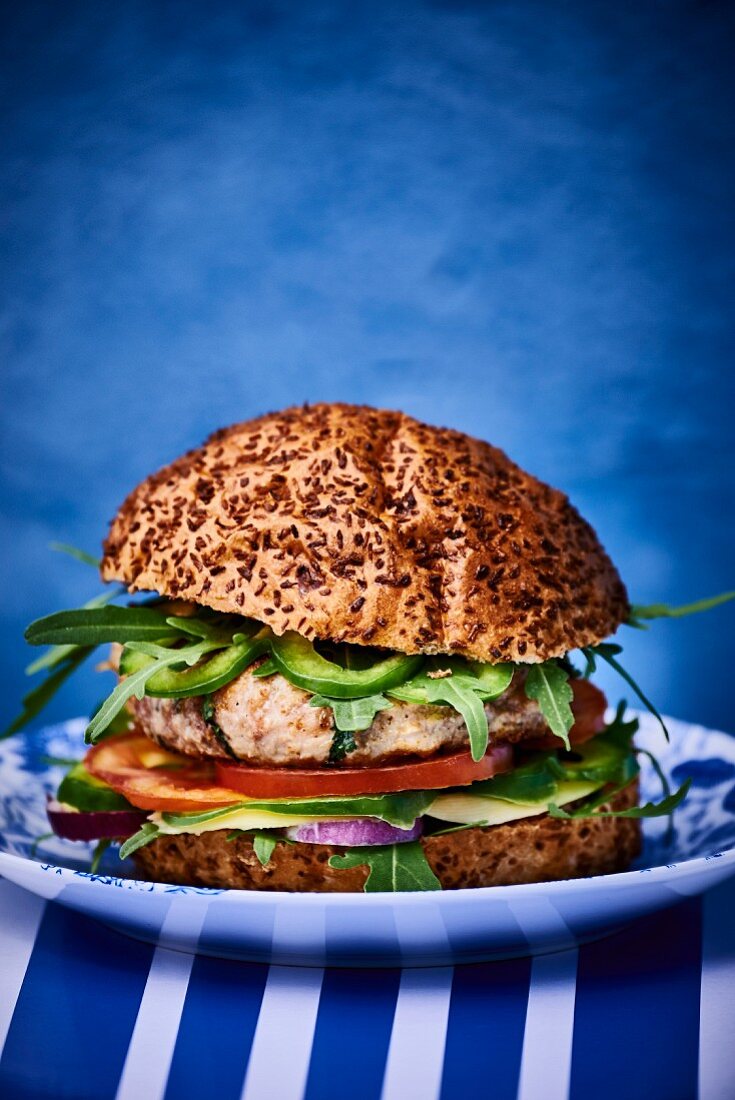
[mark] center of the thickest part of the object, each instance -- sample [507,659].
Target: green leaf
[208,712]
[650,809]
[350,715]
[96,625]
[36,700]
[529,783]
[58,653]
[665,611]
[622,730]
[75,552]
[548,685]
[145,834]
[400,810]
[100,849]
[225,662]
[463,685]
[343,742]
[455,691]
[608,651]
[263,845]
[123,722]
[134,685]
[391,867]
[39,840]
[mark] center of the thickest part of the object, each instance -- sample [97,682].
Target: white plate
[430,929]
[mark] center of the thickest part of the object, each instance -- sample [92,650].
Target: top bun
[362,525]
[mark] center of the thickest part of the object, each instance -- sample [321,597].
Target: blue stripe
[636,1024]
[76,1011]
[216,1030]
[487,1016]
[352,1034]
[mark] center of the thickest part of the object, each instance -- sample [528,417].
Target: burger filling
[216,723]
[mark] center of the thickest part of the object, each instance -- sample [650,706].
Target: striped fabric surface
[87,1013]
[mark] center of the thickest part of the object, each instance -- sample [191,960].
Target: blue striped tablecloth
[87,1013]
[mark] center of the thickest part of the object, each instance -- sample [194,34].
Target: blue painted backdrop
[514,218]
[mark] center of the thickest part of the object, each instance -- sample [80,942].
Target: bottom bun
[534,849]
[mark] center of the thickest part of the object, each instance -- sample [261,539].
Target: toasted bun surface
[361,525]
[535,849]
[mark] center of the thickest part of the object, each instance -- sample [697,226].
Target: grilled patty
[269,721]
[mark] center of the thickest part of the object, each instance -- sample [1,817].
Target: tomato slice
[156,779]
[588,708]
[456,770]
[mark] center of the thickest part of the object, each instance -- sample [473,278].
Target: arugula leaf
[350,715]
[134,685]
[665,787]
[36,700]
[650,809]
[531,782]
[391,867]
[400,810]
[100,849]
[145,834]
[75,552]
[263,845]
[463,685]
[639,612]
[548,685]
[459,694]
[208,710]
[121,723]
[343,742]
[37,841]
[57,653]
[608,651]
[95,625]
[620,730]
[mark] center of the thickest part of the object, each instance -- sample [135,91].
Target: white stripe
[717,1004]
[281,1051]
[20,916]
[148,1060]
[416,1053]
[547,1044]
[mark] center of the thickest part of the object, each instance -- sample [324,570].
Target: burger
[352,652]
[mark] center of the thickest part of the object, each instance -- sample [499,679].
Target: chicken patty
[269,721]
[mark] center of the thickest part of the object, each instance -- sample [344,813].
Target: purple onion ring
[354,833]
[92,825]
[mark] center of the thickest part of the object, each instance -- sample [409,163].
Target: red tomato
[456,770]
[152,778]
[588,708]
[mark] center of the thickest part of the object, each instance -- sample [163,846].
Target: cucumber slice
[87,793]
[470,809]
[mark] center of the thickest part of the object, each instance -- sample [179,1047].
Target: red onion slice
[354,832]
[92,826]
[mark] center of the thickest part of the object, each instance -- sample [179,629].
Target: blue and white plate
[431,929]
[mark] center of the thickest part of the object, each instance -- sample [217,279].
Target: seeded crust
[361,525]
[535,849]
